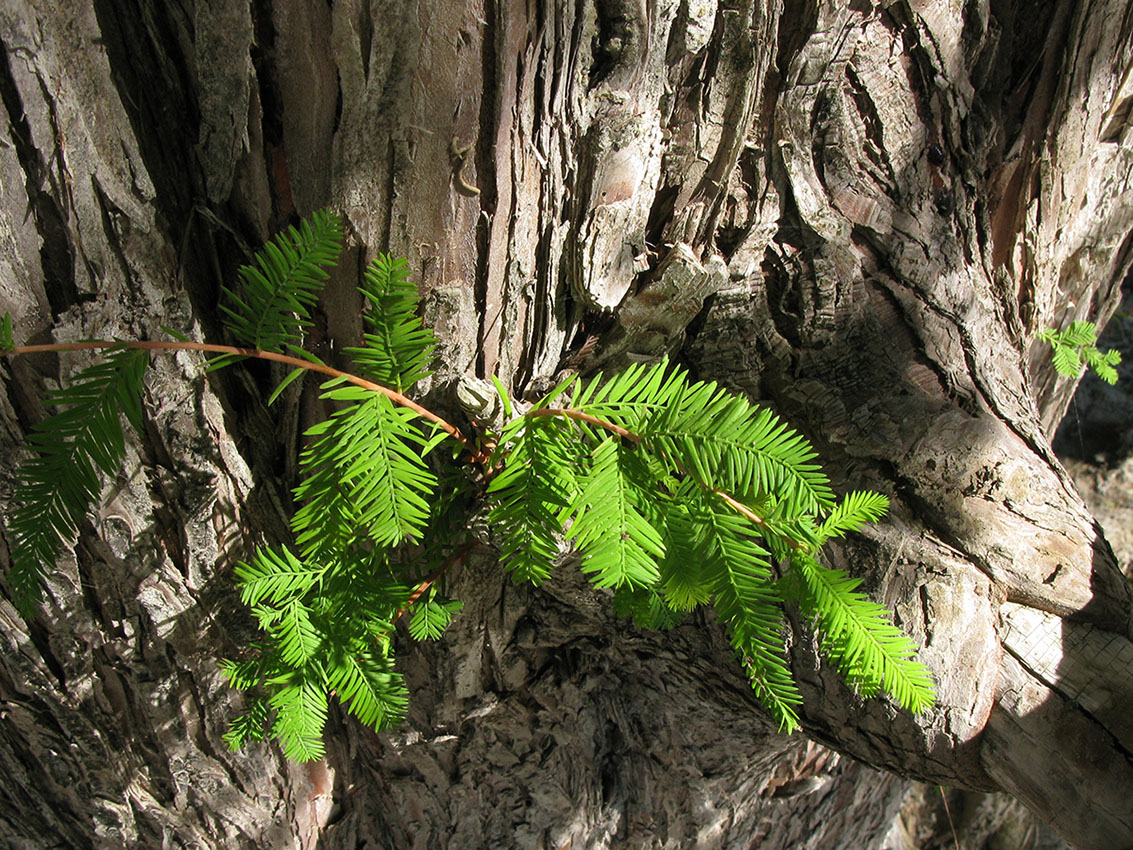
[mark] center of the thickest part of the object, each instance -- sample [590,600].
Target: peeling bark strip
[880,203]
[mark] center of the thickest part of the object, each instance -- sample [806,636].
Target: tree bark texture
[858,213]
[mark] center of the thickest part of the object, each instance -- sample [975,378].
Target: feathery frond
[726,443]
[719,438]
[369,687]
[7,343]
[73,448]
[628,398]
[647,608]
[431,617]
[242,675]
[300,708]
[273,309]
[738,571]
[1077,345]
[276,578]
[249,726]
[690,503]
[365,477]
[618,543]
[1102,364]
[682,569]
[327,632]
[529,498]
[1079,333]
[397,347]
[854,511]
[296,634]
[856,633]
[1067,362]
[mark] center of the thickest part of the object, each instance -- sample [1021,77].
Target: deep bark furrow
[57,256]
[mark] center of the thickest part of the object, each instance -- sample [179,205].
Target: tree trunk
[858,213]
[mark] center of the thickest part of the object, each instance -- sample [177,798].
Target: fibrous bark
[878,205]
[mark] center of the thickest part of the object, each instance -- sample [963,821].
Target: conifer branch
[676,493]
[73,448]
[693,447]
[278,290]
[1076,346]
[235,351]
[747,512]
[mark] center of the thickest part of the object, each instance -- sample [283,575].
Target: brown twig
[429,581]
[740,507]
[948,812]
[757,519]
[570,413]
[297,362]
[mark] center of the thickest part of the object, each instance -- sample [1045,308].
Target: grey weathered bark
[879,204]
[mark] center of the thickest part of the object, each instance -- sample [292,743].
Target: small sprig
[1077,346]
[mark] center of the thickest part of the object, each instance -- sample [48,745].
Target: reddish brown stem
[569,413]
[428,582]
[419,590]
[298,362]
[756,518]
[742,508]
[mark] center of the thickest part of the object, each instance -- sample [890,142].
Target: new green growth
[675,493]
[1076,347]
